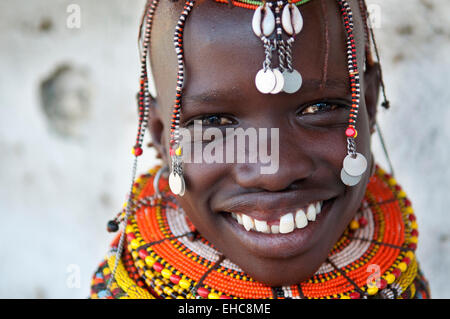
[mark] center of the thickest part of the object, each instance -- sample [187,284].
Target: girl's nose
[294,166]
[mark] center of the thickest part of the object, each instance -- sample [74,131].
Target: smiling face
[222,56]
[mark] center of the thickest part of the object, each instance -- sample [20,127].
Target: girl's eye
[215,120]
[319,108]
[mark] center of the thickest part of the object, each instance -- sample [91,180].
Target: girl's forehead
[222,54]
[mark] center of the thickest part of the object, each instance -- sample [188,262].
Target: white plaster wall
[56,193]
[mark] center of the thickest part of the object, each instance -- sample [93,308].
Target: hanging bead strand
[279,46]
[176,179]
[143,105]
[144,95]
[263,25]
[292,22]
[354,164]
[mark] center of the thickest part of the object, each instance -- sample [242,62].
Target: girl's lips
[279,245]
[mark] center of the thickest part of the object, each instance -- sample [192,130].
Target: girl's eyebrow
[216,96]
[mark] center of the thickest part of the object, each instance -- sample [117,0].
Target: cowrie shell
[291,19]
[176,184]
[268,21]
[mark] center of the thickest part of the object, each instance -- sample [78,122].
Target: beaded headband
[269,27]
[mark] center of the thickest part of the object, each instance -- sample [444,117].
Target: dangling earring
[176,178]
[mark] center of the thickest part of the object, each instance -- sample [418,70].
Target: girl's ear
[156,129]
[372,83]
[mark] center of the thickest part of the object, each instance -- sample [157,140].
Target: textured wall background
[67,120]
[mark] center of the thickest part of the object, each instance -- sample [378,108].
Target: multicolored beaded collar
[166,258]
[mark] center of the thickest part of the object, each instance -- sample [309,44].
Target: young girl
[325,222]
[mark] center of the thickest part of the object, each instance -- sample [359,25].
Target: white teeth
[275,229]
[287,223]
[261,226]
[300,219]
[248,223]
[318,207]
[311,212]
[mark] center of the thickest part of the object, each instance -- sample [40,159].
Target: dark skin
[222,56]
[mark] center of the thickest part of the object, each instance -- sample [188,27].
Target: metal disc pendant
[176,183]
[280,81]
[355,166]
[265,81]
[348,179]
[292,81]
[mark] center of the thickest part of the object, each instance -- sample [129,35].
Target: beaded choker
[166,258]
